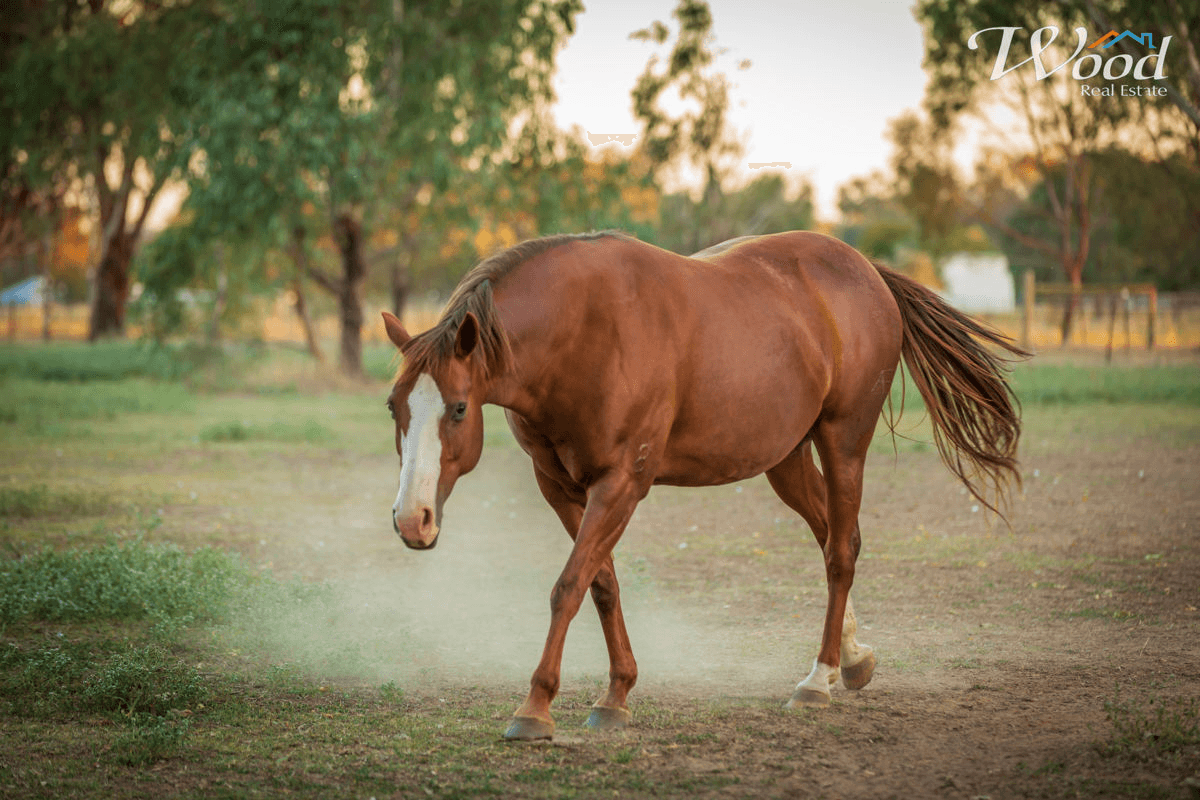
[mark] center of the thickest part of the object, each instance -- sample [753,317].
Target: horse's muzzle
[418,530]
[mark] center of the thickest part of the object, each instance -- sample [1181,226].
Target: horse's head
[439,429]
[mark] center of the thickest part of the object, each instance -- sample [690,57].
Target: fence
[1109,316]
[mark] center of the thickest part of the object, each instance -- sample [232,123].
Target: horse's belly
[726,453]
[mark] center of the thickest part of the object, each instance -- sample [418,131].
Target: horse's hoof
[605,718]
[528,729]
[859,675]
[808,698]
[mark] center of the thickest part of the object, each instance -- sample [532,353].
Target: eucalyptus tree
[339,119]
[92,97]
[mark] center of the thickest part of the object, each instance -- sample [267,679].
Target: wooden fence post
[1027,314]
[1152,305]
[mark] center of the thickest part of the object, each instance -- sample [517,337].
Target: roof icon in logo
[1112,37]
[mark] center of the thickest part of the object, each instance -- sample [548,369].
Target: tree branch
[1185,105]
[321,279]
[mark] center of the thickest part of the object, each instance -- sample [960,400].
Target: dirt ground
[998,648]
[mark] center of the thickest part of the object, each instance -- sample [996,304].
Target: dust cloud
[475,610]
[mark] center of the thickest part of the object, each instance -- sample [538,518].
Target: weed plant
[120,581]
[1153,729]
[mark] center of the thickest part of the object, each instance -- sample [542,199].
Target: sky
[824,80]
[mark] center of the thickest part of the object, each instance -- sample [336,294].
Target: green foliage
[121,581]
[101,677]
[391,693]
[700,135]
[44,680]
[926,184]
[1105,190]
[365,111]
[1153,214]
[764,205]
[873,221]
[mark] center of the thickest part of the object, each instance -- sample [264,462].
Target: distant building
[979,282]
[26,293]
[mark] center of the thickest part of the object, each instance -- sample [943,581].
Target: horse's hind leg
[801,486]
[610,712]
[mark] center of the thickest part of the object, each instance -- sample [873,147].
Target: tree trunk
[47,254]
[310,336]
[400,288]
[1068,317]
[213,335]
[300,260]
[111,289]
[1074,270]
[348,234]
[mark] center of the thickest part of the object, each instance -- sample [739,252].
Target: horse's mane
[431,350]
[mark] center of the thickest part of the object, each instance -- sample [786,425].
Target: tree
[925,183]
[92,96]
[341,116]
[700,135]
[764,205]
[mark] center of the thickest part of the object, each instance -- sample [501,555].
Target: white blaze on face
[420,450]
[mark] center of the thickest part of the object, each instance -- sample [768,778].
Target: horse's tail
[975,414]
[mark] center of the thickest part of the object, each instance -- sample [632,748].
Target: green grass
[1043,384]
[41,501]
[1154,727]
[47,408]
[103,361]
[1060,384]
[120,581]
[309,431]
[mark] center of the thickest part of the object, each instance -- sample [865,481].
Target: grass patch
[41,501]
[1061,384]
[91,676]
[146,681]
[1040,384]
[46,408]
[103,361]
[120,581]
[310,432]
[150,738]
[1152,729]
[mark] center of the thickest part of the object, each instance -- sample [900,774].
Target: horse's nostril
[426,518]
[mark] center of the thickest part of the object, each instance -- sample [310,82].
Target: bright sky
[825,77]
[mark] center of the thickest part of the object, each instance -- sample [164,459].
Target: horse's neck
[508,389]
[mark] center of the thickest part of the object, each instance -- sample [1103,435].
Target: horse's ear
[468,336]
[395,330]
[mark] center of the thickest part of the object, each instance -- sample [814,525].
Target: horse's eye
[459,413]
[391,409]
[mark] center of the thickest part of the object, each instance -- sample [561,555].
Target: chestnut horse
[622,365]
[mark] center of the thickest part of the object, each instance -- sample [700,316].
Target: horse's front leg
[611,711]
[610,504]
